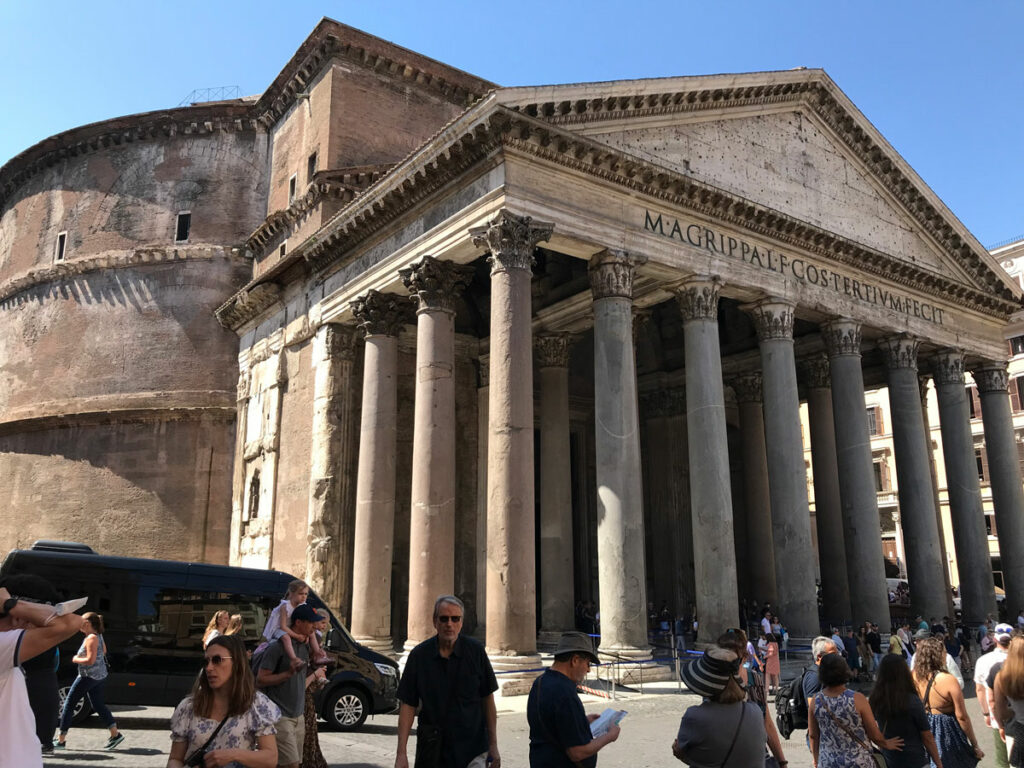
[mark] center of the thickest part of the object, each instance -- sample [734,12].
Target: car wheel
[82,708]
[346,708]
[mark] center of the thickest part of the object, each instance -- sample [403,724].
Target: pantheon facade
[543,345]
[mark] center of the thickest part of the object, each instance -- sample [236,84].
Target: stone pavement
[647,734]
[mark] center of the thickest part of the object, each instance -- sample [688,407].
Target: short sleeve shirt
[289,696]
[557,722]
[812,685]
[909,726]
[458,684]
[707,731]
[239,732]
[19,747]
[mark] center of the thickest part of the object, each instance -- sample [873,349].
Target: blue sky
[943,81]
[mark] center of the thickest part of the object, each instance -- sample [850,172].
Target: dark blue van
[157,610]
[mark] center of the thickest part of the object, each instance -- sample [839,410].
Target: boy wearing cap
[982,671]
[560,734]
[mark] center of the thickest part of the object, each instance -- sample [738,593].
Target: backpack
[791,706]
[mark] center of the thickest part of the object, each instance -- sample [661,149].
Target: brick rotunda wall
[117,384]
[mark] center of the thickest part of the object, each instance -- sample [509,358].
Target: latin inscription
[801,269]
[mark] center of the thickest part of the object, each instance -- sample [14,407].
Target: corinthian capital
[773,319]
[435,284]
[698,297]
[380,314]
[662,403]
[815,372]
[900,351]
[948,367]
[842,337]
[748,387]
[510,240]
[340,341]
[552,349]
[611,273]
[991,377]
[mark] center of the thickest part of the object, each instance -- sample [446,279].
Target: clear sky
[941,80]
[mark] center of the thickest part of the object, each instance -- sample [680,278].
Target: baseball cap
[304,613]
[1002,630]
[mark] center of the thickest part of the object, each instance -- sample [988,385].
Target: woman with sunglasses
[225,721]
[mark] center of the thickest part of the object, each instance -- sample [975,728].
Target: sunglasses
[452,619]
[216,660]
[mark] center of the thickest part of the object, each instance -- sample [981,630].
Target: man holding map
[560,731]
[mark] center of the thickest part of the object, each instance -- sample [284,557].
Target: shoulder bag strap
[845,727]
[206,744]
[735,736]
[927,694]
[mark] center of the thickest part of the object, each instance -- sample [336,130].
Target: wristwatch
[9,603]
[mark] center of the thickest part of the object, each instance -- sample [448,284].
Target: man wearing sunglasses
[450,679]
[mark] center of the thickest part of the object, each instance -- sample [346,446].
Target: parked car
[157,610]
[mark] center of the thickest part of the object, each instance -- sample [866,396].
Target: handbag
[877,756]
[199,756]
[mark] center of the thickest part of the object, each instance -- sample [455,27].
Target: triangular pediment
[789,141]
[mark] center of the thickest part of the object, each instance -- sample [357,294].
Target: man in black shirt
[560,734]
[874,641]
[450,679]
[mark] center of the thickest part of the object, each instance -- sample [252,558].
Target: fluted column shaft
[434,285]
[759,547]
[239,489]
[865,562]
[511,569]
[828,508]
[556,587]
[620,527]
[328,540]
[787,477]
[911,445]
[379,317]
[714,552]
[977,588]
[1004,470]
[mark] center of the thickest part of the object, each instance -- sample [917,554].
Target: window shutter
[886,485]
[1015,393]
[975,402]
[984,464]
[880,429]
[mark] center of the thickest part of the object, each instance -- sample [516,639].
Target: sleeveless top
[98,669]
[837,749]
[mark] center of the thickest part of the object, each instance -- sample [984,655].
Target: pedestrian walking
[772,665]
[225,721]
[1008,694]
[944,702]
[899,712]
[560,734]
[724,729]
[312,755]
[985,695]
[91,681]
[450,680]
[840,723]
[218,626]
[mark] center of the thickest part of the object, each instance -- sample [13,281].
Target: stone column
[482,426]
[977,588]
[865,562]
[911,445]
[828,508]
[435,285]
[620,538]
[380,317]
[328,567]
[1004,470]
[714,553]
[922,382]
[511,568]
[556,585]
[238,490]
[787,477]
[760,549]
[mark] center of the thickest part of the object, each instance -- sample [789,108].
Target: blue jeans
[86,686]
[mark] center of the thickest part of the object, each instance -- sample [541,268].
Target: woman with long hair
[840,723]
[92,679]
[898,710]
[218,626]
[944,702]
[312,755]
[234,625]
[225,721]
[1008,692]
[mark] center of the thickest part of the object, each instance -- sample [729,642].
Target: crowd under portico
[643,341]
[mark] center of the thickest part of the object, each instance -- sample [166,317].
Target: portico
[599,395]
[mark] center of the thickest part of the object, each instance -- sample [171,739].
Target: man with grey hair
[821,646]
[450,679]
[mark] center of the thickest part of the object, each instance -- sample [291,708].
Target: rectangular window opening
[281,251]
[62,242]
[183,227]
[291,190]
[310,167]
[1017,345]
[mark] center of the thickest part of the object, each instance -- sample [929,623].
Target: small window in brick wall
[291,190]
[183,227]
[1017,345]
[283,249]
[310,167]
[62,242]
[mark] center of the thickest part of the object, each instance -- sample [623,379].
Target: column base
[384,645]
[547,639]
[636,666]
[516,673]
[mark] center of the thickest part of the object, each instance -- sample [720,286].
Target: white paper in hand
[607,719]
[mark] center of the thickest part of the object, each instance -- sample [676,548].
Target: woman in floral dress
[840,723]
[225,695]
